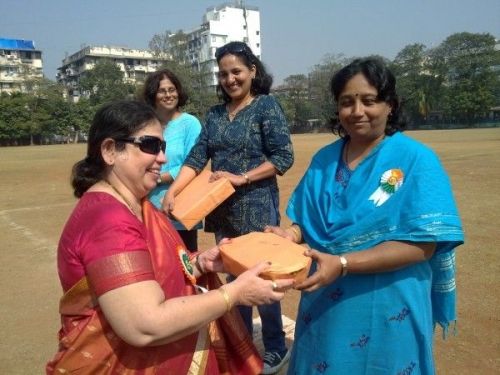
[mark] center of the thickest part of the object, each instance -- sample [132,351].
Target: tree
[52,109]
[294,98]
[195,79]
[173,45]
[81,115]
[319,86]
[105,83]
[418,86]
[466,61]
[13,119]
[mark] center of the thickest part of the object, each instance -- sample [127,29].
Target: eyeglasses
[232,47]
[147,143]
[170,91]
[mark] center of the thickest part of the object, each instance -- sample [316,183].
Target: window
[257,32]
[258,45]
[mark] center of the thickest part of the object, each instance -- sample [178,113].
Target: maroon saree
[87,343]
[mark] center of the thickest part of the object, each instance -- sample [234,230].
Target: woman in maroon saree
[131,303]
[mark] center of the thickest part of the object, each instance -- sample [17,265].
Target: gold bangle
[227,300]
[297,232]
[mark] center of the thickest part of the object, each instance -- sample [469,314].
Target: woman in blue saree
[378,209]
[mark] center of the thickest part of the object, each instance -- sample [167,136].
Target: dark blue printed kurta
[259,132]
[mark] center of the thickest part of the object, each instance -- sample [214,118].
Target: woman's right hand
[280,232]
[249,289]
[328,270]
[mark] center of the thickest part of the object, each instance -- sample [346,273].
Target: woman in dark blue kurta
[248,142]
[258,133]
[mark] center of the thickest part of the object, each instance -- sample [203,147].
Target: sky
[295,34]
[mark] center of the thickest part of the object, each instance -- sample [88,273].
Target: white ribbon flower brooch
[390,182]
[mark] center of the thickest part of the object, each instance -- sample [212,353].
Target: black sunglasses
[233,47]
[147,143]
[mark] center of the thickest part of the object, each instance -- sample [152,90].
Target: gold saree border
[200,356]
[120,269]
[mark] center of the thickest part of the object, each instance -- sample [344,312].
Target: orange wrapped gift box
[287,258]
[199,198]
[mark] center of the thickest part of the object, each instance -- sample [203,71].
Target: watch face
[343,262]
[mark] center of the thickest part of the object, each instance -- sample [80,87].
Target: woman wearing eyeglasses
[130,301]
[247,140]
[164,92]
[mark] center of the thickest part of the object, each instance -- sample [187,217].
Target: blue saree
[376,323]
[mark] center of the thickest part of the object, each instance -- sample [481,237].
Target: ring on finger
[275,286]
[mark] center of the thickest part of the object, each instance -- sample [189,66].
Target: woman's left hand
[211,260]
[235,179]
[328,270]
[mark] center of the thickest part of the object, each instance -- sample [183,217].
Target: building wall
[21,65]
[134,63]
[223,24]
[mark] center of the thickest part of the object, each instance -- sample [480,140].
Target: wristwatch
[343,262]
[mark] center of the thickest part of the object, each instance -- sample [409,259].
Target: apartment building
[20,65]
[134,63]
[220,25]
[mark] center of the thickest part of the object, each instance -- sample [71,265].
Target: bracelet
[227,300]
[198,265]
[297,232]
[343,262]
[247,179]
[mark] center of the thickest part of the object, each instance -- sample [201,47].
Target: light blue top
[180,134]
[379,323]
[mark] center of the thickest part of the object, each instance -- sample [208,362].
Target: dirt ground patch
[37,199]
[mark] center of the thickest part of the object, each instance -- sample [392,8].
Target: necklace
[232,114]
[137,214]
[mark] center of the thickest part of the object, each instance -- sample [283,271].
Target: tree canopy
[455,83]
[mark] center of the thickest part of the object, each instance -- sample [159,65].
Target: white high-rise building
[223,24]
[21,65]
[134,63]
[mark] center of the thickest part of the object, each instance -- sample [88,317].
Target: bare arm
[141,316]
[384,257]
